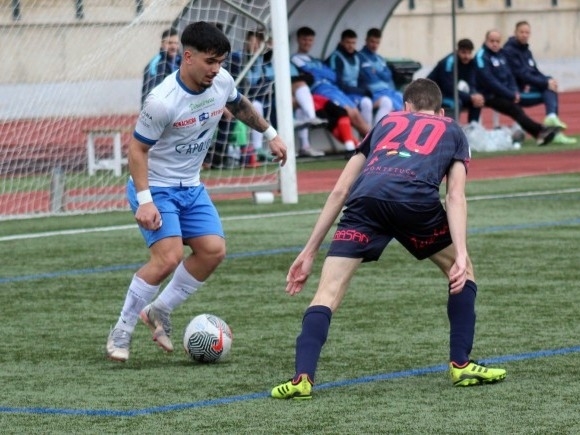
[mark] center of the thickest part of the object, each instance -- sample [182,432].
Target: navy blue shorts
[368,225]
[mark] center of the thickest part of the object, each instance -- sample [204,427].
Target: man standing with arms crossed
[391,191]
[171,206]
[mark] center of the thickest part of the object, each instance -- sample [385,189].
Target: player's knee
[385,104]
[167,263]
[212,254]
[366,104]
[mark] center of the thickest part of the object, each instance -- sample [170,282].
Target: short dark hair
[374,33]
[348,34]
[305,31]
[257,33]
[423,94]
[465,44]
[521,23]
[206,38]
[169,32]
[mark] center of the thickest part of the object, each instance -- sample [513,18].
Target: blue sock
[315,324]
[461,314]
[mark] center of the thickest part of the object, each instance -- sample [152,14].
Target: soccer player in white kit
[172,136]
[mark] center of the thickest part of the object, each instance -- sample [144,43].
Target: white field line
[133,226]
[267,215]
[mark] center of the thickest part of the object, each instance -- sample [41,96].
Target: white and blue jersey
[179,125]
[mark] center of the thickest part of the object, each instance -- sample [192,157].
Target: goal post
[288,178]
[67,113]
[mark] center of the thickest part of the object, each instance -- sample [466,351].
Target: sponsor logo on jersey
[201,104]
[425,242]
[184,123]
[203,117]
[196,147]
[216,112]
[145,118]
[351,236]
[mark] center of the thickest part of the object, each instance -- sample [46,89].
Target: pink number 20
[436,129]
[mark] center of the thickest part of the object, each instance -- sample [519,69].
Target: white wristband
[270,133]
[144,197]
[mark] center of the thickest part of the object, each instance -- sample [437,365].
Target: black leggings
[514,111]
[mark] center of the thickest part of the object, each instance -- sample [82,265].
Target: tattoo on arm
[245,112]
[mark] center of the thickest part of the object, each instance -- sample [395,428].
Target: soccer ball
[462,86]
[207,339]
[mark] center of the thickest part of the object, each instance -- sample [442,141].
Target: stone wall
[54,64]
[425,32]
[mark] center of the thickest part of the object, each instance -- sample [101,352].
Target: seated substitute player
[335,117]
[535,87]
[258,80]
[442,74]
[172,207]
[346,63]
[495,81]
[376,77]
[324,79]
[391,191]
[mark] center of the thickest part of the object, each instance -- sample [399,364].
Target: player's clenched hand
[298,274]
[278,149]
[148,216]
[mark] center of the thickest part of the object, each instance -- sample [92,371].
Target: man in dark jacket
[535,87]
[164,63]
[468,97]
[346,63]
[497,84]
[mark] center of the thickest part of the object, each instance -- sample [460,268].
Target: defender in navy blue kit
[391,190]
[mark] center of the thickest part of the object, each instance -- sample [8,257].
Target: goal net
[70,93]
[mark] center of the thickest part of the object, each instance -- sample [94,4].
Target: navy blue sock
[461,314]
[315,324]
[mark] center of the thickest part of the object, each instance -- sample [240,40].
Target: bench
[114,163]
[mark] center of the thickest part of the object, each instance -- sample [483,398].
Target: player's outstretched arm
[299,272]
[302,266]
[245,112]
[456,206]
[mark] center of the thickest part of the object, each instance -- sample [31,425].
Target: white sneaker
[160,325]
[302,123]
[311,123]
[118,345]
[310,152]
[317,122]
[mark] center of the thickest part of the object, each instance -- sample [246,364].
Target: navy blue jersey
[408,155]
[442,74]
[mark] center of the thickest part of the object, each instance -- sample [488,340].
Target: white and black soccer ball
[207,338]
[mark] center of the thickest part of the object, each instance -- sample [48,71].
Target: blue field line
[500,228]
[253,396]
[261,253]
[268,252]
